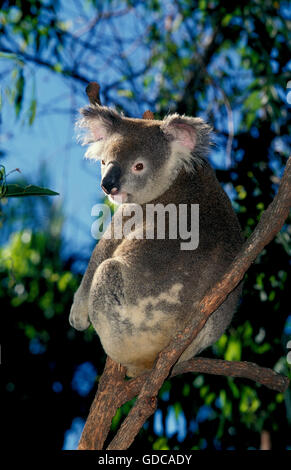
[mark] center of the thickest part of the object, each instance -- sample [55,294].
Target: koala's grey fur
[137,293]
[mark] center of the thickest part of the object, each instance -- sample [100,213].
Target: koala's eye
[103,162]
[138,167]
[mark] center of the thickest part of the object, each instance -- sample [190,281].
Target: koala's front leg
[79,317]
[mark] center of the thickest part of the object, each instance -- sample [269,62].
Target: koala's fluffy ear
[191,137]
[100,121]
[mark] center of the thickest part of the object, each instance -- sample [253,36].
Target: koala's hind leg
[116,320]
[107,287]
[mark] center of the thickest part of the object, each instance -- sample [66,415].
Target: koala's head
[141,158]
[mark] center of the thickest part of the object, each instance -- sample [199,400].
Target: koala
[138,292]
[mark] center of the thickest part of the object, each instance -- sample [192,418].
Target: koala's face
[140,158]
[134,163]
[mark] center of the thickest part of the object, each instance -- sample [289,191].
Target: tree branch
[246,370]
[104,406]
[114,391]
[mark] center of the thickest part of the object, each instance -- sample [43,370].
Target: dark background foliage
[225,61]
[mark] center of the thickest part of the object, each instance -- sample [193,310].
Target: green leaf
[125,93]
[186,390]
[204,391]
[8,56]
[249,402]
[202,5]
[253,101]
[32,111]
[247,331]
[15,190]
[221,343]
[2,181]
[233,352]
[116,419]
[177,409]
[11,56]
[226,404]
[272,296]
[64,281]
[226,20]
[250,118]
[58,67]
[210,398]
[161,444]
[262,348]
[19,93]
[235,390]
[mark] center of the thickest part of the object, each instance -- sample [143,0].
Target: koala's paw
[79,318]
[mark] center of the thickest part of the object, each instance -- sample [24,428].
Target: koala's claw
[79,318]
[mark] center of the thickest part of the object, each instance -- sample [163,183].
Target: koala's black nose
[111,177]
